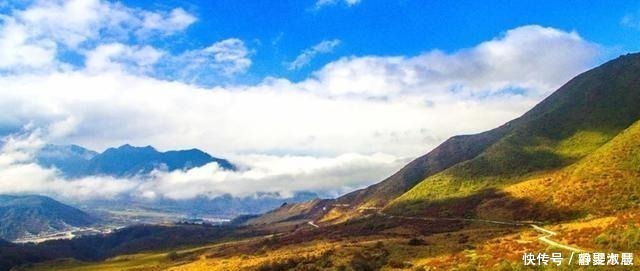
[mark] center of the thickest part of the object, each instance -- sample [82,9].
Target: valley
[563,178]
[404,244]
[519,153]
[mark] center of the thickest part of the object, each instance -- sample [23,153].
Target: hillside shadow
[489,203]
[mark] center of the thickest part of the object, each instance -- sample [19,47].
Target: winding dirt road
[548,233]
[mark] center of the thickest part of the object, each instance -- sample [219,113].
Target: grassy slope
[151,260]
[601,184]
[570,124]
[452,151]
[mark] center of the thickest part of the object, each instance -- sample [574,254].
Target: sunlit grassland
[477,246]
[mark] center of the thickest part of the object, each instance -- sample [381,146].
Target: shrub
[173,256]
[416,242]
[379,245]
[399,264]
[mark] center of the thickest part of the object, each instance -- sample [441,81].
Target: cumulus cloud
[120,57]
[529,57]
[178,19]
[17,51]
[110,36]
[351,123]
[307,55]
[283,175]
[32,38]
[229,57]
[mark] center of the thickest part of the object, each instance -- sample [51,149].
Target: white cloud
[357,104]
[356,115]
[307,55]
[72,22]
[120,57]
[177,20]
[16,51]
[323,3]
[33,37]
[230,56]
[275,116]
[281,174]
[221,60]
[19,175]
[530,57]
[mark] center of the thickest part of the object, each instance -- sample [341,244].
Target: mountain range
[124,161]
[127,161]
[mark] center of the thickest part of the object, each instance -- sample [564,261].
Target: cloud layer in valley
[349,124]
[282,175]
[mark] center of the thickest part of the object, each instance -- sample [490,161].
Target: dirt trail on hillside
[544,238]
[549,233]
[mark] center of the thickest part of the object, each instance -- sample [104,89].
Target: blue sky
[323,95]
[280,30]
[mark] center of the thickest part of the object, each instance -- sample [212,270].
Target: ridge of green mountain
[571,123]
[576,120]
[452,151]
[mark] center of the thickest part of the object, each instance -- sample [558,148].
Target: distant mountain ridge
[72,160]
[124,161]
[21,216]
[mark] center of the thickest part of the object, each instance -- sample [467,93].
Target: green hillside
[577,119]
[606,181]
[451,152]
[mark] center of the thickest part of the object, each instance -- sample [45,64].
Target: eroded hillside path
[544,238]
[549,233]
